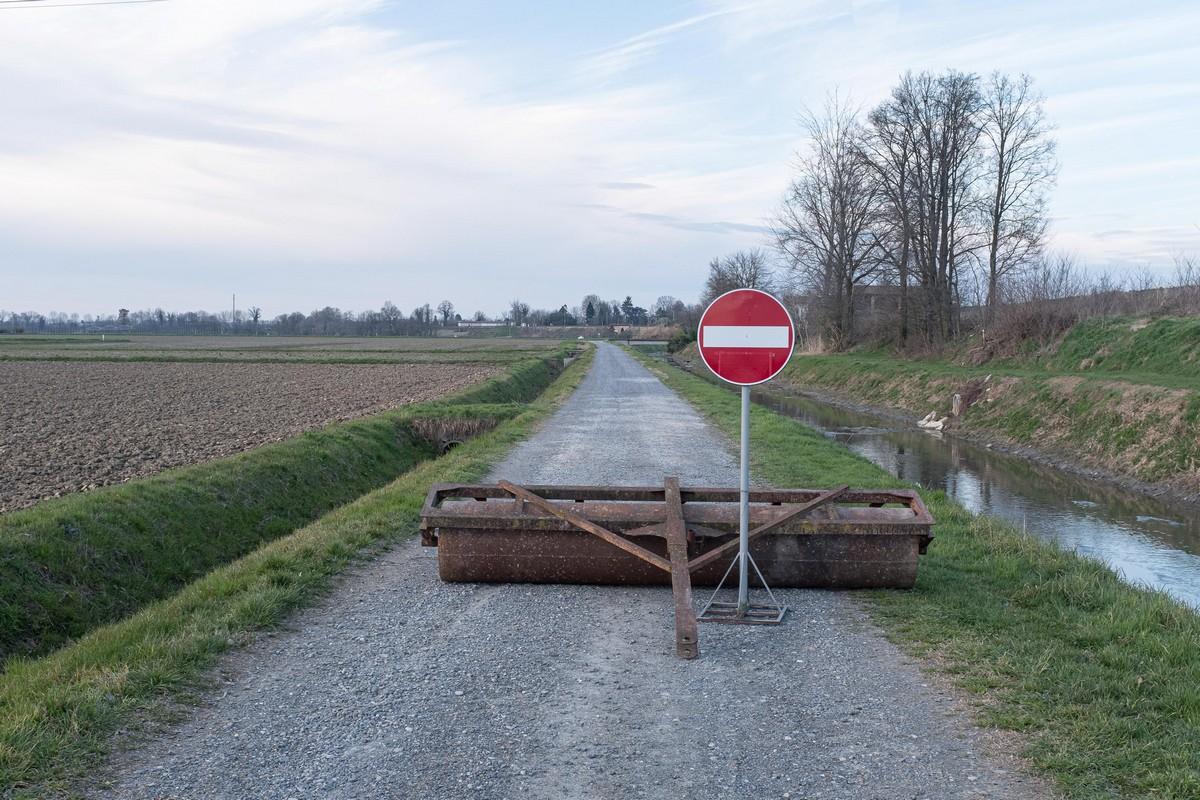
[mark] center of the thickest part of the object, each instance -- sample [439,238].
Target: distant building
[869,301]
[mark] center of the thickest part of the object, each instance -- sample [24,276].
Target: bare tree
[446,309]
[826,228]
[255,315]
[423,317]
[664,307]
[519,312]
[391,316]
[942,115]
[889,148]
[745,269]
[1187,278]
[1020,168]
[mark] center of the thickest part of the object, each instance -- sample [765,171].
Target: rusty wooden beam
[687,643]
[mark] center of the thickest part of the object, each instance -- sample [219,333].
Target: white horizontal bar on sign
[745,336]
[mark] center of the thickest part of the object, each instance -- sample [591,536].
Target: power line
[13,5]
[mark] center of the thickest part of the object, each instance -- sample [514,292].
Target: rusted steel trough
[839,538]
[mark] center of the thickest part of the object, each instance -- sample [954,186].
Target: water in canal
[1149,541]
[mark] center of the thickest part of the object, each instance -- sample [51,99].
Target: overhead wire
[13,5]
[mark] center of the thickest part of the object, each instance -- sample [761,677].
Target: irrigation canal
[1148,540]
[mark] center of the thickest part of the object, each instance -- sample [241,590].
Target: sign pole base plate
[733,614]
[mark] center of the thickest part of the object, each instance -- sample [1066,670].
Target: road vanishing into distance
[401,686]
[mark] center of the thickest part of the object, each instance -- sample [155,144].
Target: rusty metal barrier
[839,538]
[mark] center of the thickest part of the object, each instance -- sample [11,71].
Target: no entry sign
[746,336]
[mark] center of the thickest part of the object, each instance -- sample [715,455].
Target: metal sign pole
[745,337]
[744,511]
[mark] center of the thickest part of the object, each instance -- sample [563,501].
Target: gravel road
[400,686]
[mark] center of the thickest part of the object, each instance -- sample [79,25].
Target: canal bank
[1136,430]
[1147,533]
[1151,541]
[1101,678]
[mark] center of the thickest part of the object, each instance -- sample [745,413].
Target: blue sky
[347,152]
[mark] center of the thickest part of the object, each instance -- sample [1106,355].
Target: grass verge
[1146,428]
[57,713]
[70,564]
[1101,678]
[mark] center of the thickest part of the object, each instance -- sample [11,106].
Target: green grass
[58,712]
[1165,346]
[841,366]
[21,339]
[1102,679]
[70,564]
[1137,425]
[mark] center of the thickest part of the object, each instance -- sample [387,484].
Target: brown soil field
[73,426]
[410,350]
[268,343]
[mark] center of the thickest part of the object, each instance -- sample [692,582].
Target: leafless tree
[889,147]
[664,307]
[519,312]
[255,315]
[941,117]
[1187,278]
[1019,169]
[446,309]
[391,316]
[826,228]
[745,269]
[423,317]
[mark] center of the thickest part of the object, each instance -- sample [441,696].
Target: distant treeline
[389,320]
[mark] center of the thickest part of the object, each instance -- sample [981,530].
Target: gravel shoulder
[400,686]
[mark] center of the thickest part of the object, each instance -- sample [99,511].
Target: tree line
[388,320]
[943,183]
[937,195]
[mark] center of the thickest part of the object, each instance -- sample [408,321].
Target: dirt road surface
[400,686]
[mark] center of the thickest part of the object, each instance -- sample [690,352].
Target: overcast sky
[346,152]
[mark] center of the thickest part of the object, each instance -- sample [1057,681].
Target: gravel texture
[400,686]
[72,426]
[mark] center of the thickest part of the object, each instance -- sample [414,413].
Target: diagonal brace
[583,524]
[732,545]
[674,530]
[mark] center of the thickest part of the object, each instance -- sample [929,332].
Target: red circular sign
[746,336]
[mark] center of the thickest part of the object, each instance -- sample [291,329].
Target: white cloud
[297,133]
[304,138]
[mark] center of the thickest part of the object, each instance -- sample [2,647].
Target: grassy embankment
[1117,395]
[57,712]
[1103,679]
[70,564]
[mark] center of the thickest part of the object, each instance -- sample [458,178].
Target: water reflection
[1147,540]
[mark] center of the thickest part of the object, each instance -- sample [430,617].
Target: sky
[303,153]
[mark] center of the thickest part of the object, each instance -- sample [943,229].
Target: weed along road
[399,685]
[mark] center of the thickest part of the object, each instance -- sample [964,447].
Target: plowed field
[75,425]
